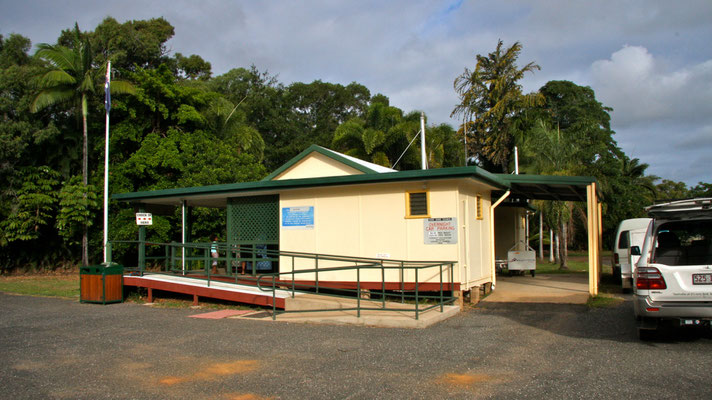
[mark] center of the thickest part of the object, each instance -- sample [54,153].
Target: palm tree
[550,152]
[223,118]
[71,78]
[490,101]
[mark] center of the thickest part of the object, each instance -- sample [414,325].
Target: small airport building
[326,203]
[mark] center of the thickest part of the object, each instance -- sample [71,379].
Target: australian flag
[107,91]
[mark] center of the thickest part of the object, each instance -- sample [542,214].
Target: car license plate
[702,279]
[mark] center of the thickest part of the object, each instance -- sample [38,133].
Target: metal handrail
[359,264]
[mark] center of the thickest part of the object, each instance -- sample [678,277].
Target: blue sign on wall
[298,217]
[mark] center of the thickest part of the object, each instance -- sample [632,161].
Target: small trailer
[521,260]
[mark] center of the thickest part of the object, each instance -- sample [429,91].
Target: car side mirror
[635,250]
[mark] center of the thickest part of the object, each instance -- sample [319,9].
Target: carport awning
[547,187]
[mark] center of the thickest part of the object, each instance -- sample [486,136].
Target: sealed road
[61,349]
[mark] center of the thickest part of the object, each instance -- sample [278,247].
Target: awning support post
[594,237]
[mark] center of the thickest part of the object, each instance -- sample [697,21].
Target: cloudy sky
[651,61]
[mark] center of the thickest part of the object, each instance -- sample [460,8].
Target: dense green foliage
[174,124]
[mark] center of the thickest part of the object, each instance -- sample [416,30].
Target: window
[686,242]
[624,240]
[417,205]
[478,207]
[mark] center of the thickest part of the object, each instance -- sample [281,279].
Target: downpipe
[492,207]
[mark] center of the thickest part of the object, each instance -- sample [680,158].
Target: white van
[630,232]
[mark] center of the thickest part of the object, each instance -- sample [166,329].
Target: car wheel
[617,275]
[533,273]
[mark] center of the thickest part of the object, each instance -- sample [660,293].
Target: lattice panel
[253,219]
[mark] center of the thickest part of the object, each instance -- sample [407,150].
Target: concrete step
[324,302]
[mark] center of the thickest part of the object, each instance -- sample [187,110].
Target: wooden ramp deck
[214,289]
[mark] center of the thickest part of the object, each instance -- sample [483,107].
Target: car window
[624,240]
[684,243]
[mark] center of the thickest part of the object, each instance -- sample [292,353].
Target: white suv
[673,278]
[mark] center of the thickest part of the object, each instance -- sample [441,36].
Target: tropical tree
[547,151]
[672,190]
[72,78]
[491,102]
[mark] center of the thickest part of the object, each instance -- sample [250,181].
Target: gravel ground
[61,349]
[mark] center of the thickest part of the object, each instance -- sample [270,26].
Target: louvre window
[417,204]
[478,207]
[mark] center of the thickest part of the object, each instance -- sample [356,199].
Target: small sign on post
[144,219]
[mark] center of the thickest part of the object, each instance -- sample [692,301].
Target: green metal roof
[548,187]
[216,195]
[544,187]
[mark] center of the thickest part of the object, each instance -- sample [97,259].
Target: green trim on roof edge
[321,150]
[265,185]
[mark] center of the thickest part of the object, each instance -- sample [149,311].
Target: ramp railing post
[416,292]
[207,263]
[173,256]
[167,258]
[383,285]
[292,276]
[358,292]
[441,288]
[402,284]
[274,299]
[452,279]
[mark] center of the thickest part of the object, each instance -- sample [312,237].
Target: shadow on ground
[580,321]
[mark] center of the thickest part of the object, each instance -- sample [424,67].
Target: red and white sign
[144,219]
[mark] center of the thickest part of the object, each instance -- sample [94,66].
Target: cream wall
[370,221]
[317,165]
[476,266]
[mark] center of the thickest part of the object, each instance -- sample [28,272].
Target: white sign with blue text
[298,217]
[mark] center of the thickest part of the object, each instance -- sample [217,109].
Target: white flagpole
[107,101]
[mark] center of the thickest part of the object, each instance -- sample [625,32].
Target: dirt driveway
[552,288]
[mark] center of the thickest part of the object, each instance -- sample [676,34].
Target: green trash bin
[101,283]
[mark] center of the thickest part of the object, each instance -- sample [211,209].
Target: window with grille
[417,205]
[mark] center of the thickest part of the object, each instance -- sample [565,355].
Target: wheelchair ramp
[213,289]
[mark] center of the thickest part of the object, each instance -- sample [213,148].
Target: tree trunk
[541,235]
[551,245]
[85,180]
[563,256]
[558,252]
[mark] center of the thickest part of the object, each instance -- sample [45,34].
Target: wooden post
[600,239]
[593,239]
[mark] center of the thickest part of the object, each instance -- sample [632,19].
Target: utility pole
[424,161]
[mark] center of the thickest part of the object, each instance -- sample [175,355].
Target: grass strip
[65,286]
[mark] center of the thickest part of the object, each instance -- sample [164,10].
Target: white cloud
[641,89]
[660,86]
